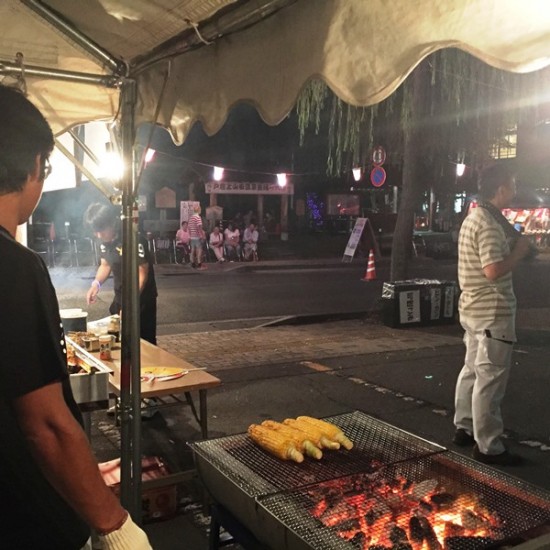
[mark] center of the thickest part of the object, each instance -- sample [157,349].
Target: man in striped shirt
[196,236]
[487,313]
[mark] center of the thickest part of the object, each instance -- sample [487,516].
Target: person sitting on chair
[216,244]
[251,242]
[231,241]
[182,242]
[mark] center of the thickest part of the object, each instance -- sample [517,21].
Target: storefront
[260,189]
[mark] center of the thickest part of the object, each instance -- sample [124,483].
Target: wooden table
[195,380]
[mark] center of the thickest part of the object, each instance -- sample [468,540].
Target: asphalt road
[237,292]
[230,295]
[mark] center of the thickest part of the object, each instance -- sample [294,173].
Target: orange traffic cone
[370,274]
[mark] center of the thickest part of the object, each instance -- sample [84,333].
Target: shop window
[506,146]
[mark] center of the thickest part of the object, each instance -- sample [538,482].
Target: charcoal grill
[277,500]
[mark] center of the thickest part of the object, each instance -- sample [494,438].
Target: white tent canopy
[362,49]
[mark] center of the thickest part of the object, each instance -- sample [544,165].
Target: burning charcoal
[424,488]
[407,485]
[442,499]
[350,524]
[370,517]
[420,530]
[359,539]
[452,529]
[402,546]
[398,535]
[379,547]
[467,543]
[471,521]
[380,508]
[425,507]
[416,531]
[334,516]
[429,534]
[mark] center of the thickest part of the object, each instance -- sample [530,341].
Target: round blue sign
[378,176]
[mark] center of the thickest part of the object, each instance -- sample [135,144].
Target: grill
[393,490]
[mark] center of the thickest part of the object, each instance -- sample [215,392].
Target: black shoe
[463,439]
[502,459]
[193,265]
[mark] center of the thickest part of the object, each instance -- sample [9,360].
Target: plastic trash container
[419,302]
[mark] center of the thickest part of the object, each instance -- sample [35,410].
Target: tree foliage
[451,109]
[471,105]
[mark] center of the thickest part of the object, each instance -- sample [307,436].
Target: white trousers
[480,388]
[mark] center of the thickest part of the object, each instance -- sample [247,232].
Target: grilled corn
[330,430]
[275,443]
[314,434]
[298,437]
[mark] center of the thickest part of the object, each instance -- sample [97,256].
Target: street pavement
[276,370]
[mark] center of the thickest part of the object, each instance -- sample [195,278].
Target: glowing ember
[378,514]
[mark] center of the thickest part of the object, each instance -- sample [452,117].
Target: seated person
[182,242]
[231,241]
[250,240]
[216,244]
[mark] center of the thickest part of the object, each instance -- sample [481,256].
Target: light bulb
[460,167]
[218,173]
[356,174]
[281,179]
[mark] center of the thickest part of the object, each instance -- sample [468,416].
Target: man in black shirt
[102,219]
[50,485]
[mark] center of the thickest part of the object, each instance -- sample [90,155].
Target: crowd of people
[194,243]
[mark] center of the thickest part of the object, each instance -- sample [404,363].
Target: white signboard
[187,210]
[435,303]
[247,188]
[409,306]
[448,302]
[354,239]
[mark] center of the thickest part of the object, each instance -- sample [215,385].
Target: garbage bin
[419,302]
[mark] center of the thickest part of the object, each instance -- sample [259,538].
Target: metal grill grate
[343,513]
[257,473]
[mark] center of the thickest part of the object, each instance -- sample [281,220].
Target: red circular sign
[379,155]
[378,176]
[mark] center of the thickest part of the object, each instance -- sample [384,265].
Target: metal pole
[130,395]
[82,168]
[84,147]
[7,67]
[117,66]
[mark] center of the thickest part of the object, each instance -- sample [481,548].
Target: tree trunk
[414,175]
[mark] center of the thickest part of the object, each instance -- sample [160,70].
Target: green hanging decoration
[472,107]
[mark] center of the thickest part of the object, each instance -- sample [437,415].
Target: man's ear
[38,171]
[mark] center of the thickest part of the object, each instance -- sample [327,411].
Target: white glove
[128,537]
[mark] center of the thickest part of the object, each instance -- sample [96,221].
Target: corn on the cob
[298,437]
[275,443]
[314,434]
[330,430]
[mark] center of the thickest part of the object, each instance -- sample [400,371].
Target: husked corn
[298,437]
[275,443]
[330,430]
[314,434]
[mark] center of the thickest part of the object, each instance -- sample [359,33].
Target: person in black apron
[102,218]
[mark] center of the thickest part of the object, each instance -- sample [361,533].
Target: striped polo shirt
[484,303]
[194,226]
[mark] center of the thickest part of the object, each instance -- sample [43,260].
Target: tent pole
[82,168]
[116,66]
[130,383]
[9,68]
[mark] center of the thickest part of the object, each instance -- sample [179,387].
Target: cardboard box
[159,503]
